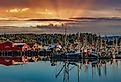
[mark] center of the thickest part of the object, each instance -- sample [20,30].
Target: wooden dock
[61,56]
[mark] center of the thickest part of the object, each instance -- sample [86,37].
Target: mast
[78,70]
[65,35]
[66,72]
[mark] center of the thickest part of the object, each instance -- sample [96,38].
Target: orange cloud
[17,10]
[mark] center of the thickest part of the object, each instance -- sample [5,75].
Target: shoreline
[35,30]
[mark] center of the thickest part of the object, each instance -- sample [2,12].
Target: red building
[14,46]
[21,46]
[6,45]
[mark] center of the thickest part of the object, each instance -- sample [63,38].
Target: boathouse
[11,46]
[21,46]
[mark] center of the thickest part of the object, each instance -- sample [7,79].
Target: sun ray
[49,9]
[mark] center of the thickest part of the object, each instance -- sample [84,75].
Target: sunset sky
[27,9]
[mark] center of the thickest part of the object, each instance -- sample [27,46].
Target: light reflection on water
[68,71]
[27,23]
[108,27]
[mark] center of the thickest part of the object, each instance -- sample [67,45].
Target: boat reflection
[98,67]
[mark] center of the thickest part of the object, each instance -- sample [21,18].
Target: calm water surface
[45,71]
[103,27]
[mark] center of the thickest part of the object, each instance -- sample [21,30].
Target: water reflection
[46,69]
[95,67]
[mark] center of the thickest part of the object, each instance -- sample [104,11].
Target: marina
[78,57]
[61,46]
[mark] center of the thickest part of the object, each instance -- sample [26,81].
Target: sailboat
[72,54]
[67,54]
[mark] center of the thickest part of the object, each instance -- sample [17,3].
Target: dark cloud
[56,3]
[107,4]
[9,3]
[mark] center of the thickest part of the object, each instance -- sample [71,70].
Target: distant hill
[50,20]
[98,18]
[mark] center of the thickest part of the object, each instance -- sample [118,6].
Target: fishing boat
[90,54]
[118,56]
[74,54]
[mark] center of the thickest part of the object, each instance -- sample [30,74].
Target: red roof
[13,46]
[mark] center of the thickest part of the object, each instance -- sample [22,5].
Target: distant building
[36,46]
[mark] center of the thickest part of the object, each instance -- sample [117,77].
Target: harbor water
[63,71]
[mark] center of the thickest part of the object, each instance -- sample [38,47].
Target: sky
[62,9]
